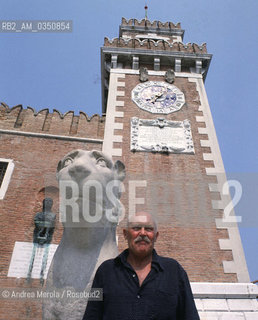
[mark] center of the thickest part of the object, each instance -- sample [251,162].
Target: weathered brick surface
[28,120]
[32,180]
[177,190]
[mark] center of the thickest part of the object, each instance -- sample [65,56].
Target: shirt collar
[156,261]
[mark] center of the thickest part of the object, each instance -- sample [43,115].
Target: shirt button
[138,296]
[134,275]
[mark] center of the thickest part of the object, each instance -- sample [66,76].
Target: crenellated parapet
[147,23]
[150,44]
[134,28]
[155,45]
[29,120]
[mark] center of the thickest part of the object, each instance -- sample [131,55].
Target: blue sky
[62,71]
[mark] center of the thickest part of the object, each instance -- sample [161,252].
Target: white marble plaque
[21,257]
[160,135]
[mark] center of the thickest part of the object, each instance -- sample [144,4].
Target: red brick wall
[32,180]
[176,183]
[177,190]
[27,120]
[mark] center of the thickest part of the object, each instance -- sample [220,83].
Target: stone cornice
[150,44]
[50,136]
[176,54]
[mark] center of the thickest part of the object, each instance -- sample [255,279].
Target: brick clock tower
[157,120]
[159,123]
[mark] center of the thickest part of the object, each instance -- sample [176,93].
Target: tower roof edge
[144,25]
[155,24]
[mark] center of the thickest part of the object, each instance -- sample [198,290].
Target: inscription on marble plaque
[161,135]
[21,257]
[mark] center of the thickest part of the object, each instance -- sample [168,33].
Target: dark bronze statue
[42,236]
[44,223]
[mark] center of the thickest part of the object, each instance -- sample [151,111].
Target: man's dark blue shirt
[165,294]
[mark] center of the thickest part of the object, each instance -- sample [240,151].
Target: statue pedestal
[21,257]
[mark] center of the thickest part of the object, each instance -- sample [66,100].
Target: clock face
[158,97]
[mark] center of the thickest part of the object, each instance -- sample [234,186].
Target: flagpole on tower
[146,11]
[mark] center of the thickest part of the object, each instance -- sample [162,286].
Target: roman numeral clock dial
[158,97]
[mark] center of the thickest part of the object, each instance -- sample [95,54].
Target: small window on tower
[6,169]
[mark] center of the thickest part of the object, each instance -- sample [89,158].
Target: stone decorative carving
[161,135]
[158,97]
[143,74]
[89,222]
[170,76]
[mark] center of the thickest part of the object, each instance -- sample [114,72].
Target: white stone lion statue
[89,184]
